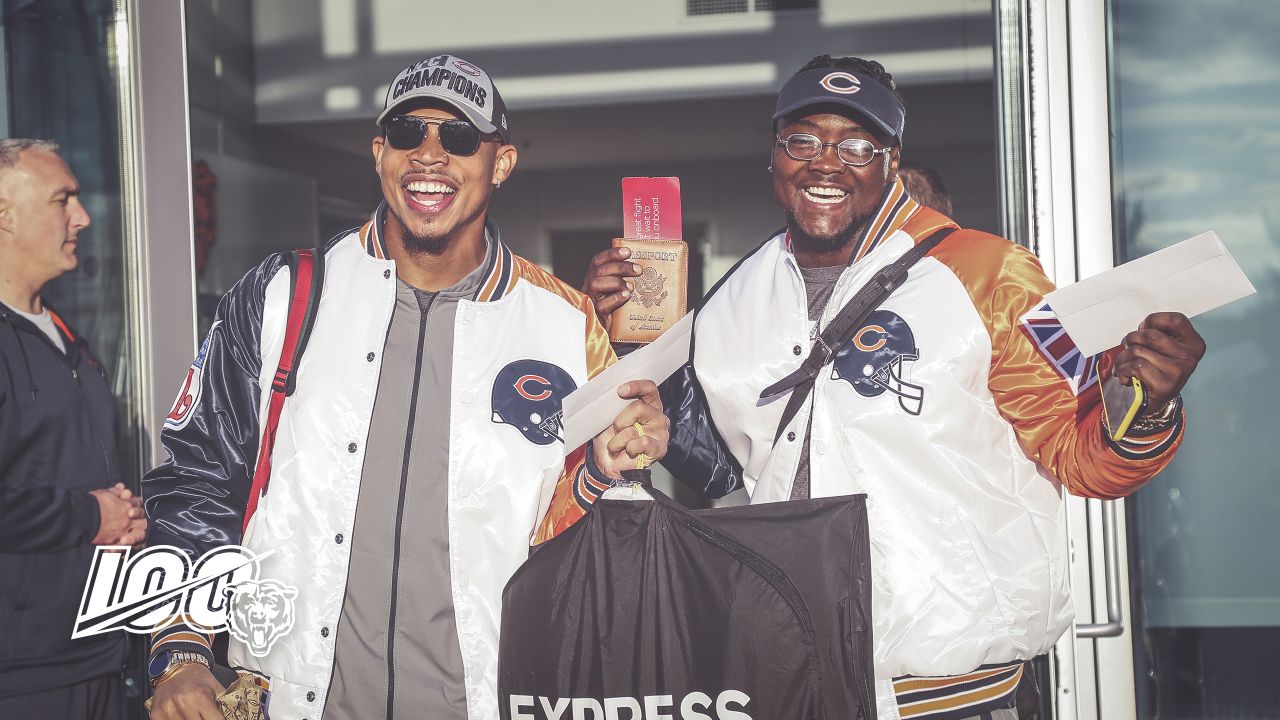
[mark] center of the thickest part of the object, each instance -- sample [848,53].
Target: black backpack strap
[843,325]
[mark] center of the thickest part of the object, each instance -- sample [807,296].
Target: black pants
[101,698]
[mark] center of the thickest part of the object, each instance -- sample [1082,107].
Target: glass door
[1148,122]
[98,77]
[1195,114]
[61,68]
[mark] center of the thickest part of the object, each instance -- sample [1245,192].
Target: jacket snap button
[791,437]
[338,538]
[351,447]
[311,697]
[796,350]
[324,632]
[369,357]
[386,273]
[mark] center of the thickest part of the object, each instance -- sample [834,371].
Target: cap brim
[861,110]
[481,122]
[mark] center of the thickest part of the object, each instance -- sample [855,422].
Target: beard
[414,243]
[419,245]
[832,242]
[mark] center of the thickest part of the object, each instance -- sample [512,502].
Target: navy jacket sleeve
[46,519]
[196,499]
[696,455]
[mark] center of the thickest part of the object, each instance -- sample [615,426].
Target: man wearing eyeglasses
[422,449]
[959,405]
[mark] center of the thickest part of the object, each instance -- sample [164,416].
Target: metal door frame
[1056,195]
[150,37]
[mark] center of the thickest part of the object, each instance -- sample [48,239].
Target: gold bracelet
[1162,420]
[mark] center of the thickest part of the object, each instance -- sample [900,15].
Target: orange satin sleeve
[600,353]
[1056,425]
[577,488]
[567,505]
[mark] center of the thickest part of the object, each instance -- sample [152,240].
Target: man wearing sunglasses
[958,405]
[421,450]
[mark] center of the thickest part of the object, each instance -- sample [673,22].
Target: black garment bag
[644,610]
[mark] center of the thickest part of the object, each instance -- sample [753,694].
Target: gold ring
[643,461]
[639,428]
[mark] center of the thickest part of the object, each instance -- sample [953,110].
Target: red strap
[61,325]
[293,330]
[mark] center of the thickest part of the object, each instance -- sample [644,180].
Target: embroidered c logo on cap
[842,83]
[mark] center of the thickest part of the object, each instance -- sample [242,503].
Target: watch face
[159,663]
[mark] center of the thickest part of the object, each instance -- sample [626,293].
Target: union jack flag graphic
[1045,330]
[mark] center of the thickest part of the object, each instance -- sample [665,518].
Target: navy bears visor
[848,88]
[457,137]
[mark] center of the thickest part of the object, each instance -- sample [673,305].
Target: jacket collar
[501,274]
[895,209]
[74,349]
[7,313]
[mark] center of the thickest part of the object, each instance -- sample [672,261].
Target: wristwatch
[1161,420]
[165,663]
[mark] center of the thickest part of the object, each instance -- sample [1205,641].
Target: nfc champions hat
[454,81]
[854,90]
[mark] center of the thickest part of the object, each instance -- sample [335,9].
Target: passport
[652,225]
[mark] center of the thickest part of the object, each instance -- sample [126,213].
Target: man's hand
[122,520]
[1162,353]
[135,536]
[617,448]
[605,283]
[187,695]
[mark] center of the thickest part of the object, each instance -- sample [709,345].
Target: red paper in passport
[651,208]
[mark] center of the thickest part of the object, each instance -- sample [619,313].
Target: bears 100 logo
[151,590]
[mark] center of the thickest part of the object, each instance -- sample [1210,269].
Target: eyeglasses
[457,137]
[854,151]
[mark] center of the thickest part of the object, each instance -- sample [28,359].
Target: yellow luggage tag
[1120,404]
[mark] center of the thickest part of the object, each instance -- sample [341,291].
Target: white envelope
[593,407]
[1192,277]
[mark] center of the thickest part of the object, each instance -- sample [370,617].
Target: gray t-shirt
[44,321]
[397,653]
[818,284]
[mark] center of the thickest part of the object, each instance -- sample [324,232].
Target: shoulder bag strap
[306,270]
[843,325]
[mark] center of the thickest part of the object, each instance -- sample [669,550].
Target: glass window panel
[1196,117]
[60,63]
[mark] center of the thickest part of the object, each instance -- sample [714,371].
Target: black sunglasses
[457,137]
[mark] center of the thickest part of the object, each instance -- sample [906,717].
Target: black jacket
[57,443]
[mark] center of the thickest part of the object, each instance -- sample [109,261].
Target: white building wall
[332,59]
[598,90]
